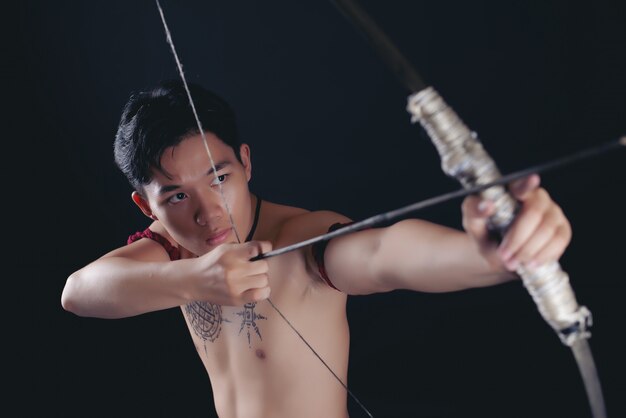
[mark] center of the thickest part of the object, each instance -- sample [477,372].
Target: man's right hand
[226,276]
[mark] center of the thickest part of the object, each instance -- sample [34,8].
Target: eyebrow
[171,187]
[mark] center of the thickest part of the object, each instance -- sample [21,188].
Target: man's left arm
[422,256]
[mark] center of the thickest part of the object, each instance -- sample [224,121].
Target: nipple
[260,353]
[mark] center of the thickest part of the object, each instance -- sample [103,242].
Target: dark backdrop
[327,124]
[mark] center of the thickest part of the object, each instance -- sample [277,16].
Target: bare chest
[256,330]
[260,348]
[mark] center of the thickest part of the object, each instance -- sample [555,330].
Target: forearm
[422,256]
[117,287]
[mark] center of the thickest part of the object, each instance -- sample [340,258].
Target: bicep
[349,262]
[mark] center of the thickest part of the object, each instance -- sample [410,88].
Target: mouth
[218,237]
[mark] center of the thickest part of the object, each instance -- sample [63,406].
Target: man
[207,226]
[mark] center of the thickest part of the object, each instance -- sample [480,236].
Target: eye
[177,198]
[219,179]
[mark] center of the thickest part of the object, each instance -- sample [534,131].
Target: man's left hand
[539,234]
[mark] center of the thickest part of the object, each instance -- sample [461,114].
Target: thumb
[476,212]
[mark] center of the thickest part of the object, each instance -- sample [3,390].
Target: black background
[328,128]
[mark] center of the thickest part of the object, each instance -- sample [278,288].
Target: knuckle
[230,280]
[261,294]
[265,246]
[562,239]
[220,271]
[568,233]
[235,292]
[539,195]
[264,266]
[265,280]
[552,217]
[543,194]
[221,251]
[533,212]
[557,212]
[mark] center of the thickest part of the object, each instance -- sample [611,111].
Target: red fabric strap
[172,251]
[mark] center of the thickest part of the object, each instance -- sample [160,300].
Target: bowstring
[179,66]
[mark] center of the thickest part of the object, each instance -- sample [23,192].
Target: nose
[209,210]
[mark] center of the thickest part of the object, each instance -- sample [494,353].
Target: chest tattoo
[248,320]
[206,319]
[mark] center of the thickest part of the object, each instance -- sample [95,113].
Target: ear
[143,205]
[244,153]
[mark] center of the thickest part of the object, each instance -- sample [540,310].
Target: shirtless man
[190,258]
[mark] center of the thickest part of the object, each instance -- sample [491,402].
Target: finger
[254,281]
[532,247]
[257,281]
[525,225]
[266,247]
[252,268]
[240,284]
[521,189]
[476,212]
[554,223]
[256,295]
[553,249]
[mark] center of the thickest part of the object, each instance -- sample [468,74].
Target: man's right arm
[140,278]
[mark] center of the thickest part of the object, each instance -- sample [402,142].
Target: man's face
[186,198]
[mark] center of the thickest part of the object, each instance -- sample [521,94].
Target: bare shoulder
[286,225]
[309,225]
[291,225]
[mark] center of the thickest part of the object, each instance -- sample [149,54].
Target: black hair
[162,117]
